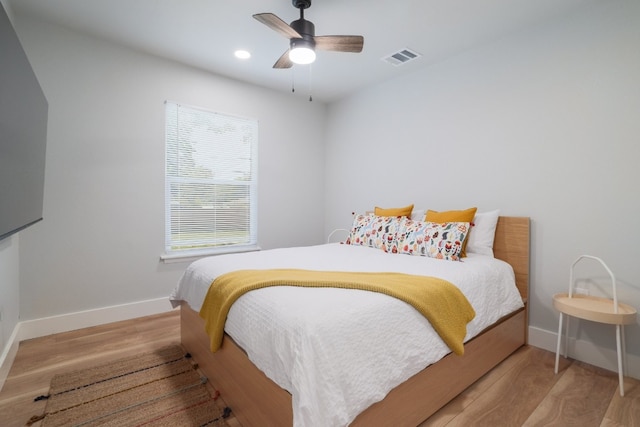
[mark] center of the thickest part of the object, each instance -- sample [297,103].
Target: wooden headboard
[511,244]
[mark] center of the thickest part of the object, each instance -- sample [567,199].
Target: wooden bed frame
[258,401]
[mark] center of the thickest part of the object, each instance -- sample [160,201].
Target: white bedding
[337,351]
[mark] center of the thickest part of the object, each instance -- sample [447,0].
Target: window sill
[192,256]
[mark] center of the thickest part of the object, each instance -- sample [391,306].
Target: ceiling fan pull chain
[293,84]
[310,97]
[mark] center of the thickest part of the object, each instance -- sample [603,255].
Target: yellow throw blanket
[439,301]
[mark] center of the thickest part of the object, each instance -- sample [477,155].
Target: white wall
[544,124]
[9,287]
[103,228]
[9,296]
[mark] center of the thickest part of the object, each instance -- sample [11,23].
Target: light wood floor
[521,391]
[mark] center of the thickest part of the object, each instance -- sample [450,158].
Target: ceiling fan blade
[277,24]
[340,43]
[283,61]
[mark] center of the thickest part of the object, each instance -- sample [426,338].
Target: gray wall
[544,124]
[103,228]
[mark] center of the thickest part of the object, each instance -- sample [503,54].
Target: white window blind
[211,182]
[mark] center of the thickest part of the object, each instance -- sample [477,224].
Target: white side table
[595,309]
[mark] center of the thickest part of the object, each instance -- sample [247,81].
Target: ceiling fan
[302,38]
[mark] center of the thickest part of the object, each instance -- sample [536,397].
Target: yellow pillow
[466,215]
[406,211]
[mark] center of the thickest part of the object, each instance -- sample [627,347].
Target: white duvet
[337,351]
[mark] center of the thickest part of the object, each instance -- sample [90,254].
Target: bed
[261,400]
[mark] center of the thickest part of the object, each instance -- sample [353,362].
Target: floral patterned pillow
[434,240]
[389,231]
[374,231]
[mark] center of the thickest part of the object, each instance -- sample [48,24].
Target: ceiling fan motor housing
[304,27]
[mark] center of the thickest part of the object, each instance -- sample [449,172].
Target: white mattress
[337,351]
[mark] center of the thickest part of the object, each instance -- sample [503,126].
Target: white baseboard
[68,322]
[586,351]
[85,319]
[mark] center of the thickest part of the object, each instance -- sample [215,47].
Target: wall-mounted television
[23,135]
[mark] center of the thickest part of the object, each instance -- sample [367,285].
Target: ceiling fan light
[302,52]
[302,55]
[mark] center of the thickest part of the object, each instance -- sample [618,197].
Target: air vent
[401,57]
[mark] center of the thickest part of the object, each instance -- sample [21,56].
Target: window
[211,182]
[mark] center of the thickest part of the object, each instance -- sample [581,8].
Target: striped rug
[161,388]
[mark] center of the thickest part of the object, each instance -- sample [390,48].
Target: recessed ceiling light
[242,54]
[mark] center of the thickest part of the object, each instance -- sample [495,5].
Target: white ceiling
[205,33]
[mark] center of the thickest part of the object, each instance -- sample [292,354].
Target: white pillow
[483,232]
[418,215]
